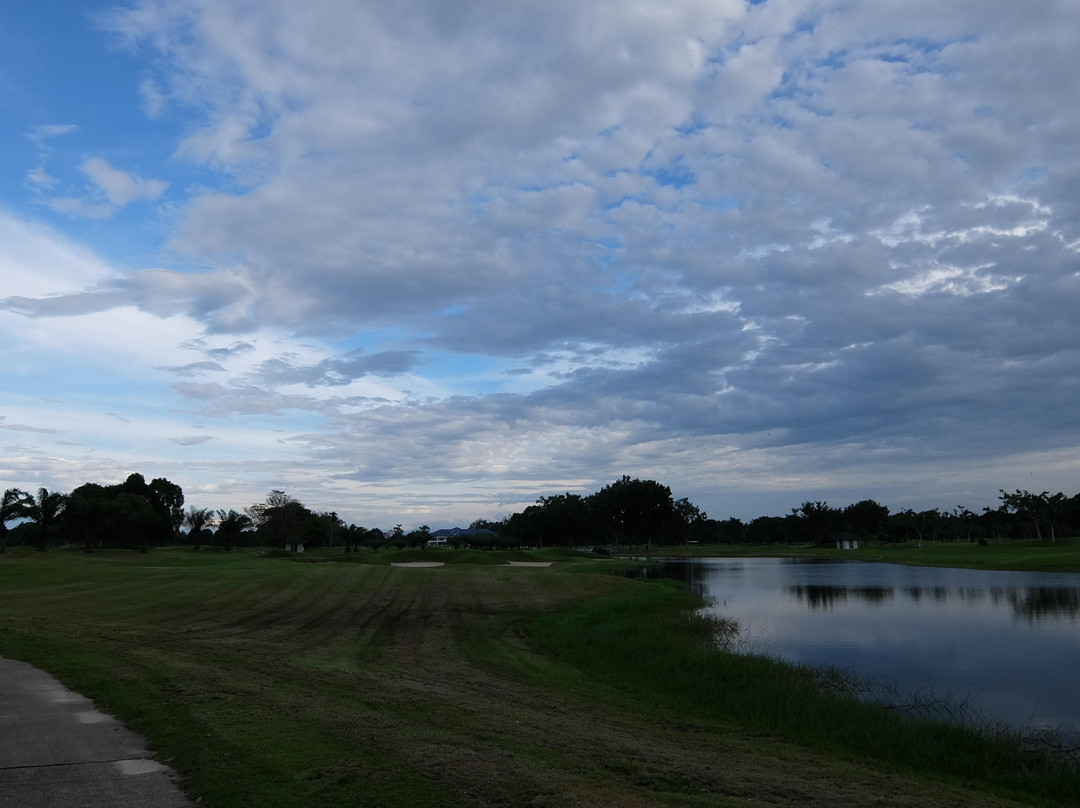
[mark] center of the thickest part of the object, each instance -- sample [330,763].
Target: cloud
[120,187]
[111,189]
[547,245]
[37,261]
[195,368]
[339,370]
[191,440]
[43,132]
[40,178]
[220,300]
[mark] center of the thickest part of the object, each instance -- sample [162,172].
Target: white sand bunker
[529,563]
[417,563]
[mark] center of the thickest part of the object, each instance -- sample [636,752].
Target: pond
[1000,647]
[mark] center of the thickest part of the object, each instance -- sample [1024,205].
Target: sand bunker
[417,563]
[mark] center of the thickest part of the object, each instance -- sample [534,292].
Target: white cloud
[550,243]
[39,134]
[40,178]
[36,260]
[120,187]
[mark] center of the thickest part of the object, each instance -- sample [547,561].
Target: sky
[425,262]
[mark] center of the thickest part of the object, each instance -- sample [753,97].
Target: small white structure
[847,544]
[436,542]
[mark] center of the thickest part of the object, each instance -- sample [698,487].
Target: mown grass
[658,648]
[274,683]
[1060,556]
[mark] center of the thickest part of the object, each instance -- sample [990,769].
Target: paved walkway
[57,750]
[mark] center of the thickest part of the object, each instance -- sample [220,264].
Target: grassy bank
[1060,556]
[275,683]
[656,648]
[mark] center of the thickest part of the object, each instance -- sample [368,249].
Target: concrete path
[57,750]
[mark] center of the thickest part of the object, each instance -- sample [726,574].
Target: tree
[135,522]
[374,538]
[633,511]
[164,499]
[768,530]
[354,538]
[168,499]
[197,520]
[13,505]
[962,522]
[89,515]
[330,525]
[282,521]
[691,520]
[867,518]
[818,520]
[1042,509]
[926,524]
[557,520]
[258,512]
[45,510]
[230,526]
[730,531]
[995,521]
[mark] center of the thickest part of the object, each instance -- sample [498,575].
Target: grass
[669,659]
[1060,556]
[274,683]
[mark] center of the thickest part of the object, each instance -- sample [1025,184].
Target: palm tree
[13,505]
[197,519]
[230,525]
[45,509]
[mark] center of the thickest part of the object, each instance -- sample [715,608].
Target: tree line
[629,513]
[641,512]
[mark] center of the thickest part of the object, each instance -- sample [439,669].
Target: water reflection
[1043,603]
[817,596]
[1032,603]
[1005,642]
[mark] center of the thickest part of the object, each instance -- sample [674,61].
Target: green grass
[1060,556]
[656,647]
[274,683]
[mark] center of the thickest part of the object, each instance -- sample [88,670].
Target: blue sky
[425,262]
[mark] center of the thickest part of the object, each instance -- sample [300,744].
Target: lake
[1002,645]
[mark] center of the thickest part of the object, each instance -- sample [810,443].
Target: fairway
[269,682]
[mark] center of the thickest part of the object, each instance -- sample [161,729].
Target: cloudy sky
[426,261]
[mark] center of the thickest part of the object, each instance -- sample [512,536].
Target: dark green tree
[284,522]
[45,510]
[769,530]
[633,511]
[13,505]
[1044,510]
[165,499]
[330,528]
[168,499]
[867,519]
[691,522]
[135,522]
[89,516]
[231,526]
[818,521]
[197,521]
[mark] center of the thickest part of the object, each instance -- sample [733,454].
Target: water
[1004,646]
